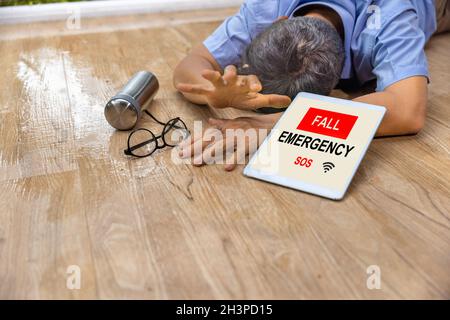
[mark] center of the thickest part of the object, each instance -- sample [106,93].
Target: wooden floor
[151,229]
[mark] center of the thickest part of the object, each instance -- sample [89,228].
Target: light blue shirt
[388,49]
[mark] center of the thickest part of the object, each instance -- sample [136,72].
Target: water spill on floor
[63,114]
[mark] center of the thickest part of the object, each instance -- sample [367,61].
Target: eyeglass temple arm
[160,122]
[153,117]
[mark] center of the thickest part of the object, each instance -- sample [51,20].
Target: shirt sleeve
[398,52]
[228,41]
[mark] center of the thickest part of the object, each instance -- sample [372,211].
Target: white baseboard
[90,9]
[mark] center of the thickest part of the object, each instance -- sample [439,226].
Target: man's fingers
[230,74]
[184,148]
[213,152]
[238,146]
[267,100]
[242,83]
[186,142]
[213,76]
[195,148]
[193,88]
[235,158]
[254,83]
[249,84]
[276,100]
[230,162]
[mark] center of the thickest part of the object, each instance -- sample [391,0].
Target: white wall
[87,9]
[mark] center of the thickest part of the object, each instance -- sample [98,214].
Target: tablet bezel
[313,188]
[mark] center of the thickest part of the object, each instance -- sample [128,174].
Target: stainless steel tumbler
[124,109]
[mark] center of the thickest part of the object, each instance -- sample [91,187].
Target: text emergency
[321,145]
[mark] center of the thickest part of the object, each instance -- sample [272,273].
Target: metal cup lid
[121,114]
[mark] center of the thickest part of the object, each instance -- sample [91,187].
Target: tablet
[317,145]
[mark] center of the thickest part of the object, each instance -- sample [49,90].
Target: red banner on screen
[328,123]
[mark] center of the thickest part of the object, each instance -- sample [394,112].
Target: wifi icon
[327,166]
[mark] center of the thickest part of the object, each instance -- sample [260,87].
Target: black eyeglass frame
[167,127]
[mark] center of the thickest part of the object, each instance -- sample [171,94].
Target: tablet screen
[317,145]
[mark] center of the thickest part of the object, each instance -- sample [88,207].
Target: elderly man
[271,50]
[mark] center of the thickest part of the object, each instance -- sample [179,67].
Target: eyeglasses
[143,143]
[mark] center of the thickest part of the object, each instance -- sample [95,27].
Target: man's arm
[406,102]
[400,66]
[198,77]
[190,69]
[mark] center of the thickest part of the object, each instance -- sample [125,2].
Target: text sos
[303,162]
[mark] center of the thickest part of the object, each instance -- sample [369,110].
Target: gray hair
[294,55]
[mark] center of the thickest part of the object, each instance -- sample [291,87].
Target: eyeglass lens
[174,132]
[142,143]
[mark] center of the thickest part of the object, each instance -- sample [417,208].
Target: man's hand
[232,90]
[228,141]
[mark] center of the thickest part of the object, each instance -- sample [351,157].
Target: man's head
[298,54]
